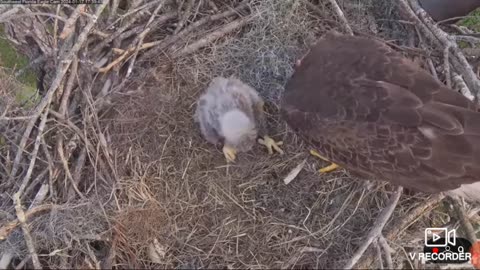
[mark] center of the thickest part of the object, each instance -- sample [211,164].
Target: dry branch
[162,44]
[439,37]
[141,37]
[213,36]
[70,24]
[62,69]
[377,228]
[341,16]
[464,220]
[7,228]
[33,158]
[22,219]
[396,229]
[460,84]
[387,250]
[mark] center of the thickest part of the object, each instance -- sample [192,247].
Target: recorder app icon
[439,237]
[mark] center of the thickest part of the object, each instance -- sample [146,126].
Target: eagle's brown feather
[370,110]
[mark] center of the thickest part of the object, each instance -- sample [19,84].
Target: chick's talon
[271,145]
[229,153]
[328,168]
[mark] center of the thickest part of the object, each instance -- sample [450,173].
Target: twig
[6,229]
[77,171]
[67,169]
[26,231]
[432,68]
[377,228]
[379,253]
[33,158]
[341,16]
[446,66]
[68,88]
[162,44]
[387,250]
[314,7]
[460,84]
[139,42]
[5,16]
[213,36]
[127,24]
[55,28]
[396,229]
[69,26]
[184,16]
[431,30]
[61,71]
[470,39]
[6,259]
[463,217]
[113,10]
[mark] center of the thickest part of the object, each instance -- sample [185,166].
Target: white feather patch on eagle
[227,113]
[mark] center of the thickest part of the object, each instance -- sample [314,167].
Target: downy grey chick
[231,112]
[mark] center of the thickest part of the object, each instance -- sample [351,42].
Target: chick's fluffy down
[229,112]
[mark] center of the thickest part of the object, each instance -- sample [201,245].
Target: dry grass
[174,189]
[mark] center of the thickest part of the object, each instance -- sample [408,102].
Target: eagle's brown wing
[375,112]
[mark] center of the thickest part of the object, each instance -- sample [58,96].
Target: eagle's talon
[328,168]
[229,153]
[271,145]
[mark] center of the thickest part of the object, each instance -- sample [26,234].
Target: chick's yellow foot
[328,168]
[229,153]
[271,144]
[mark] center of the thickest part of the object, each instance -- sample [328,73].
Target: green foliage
[11,61]
[472,21]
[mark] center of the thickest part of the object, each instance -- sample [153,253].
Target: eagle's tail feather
[470,192]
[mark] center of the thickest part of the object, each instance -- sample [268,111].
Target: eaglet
[232,113]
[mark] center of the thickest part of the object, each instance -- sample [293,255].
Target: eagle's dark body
[449,10]
[374,112]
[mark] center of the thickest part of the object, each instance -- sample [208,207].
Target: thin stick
[5,16]
[7,228]
[124,27]
[68,88]
[26,231]
[33,158]
[446,66]
[377,228]
[61,71]
[397,228]
[463,217]
[70,24]
[162,44]
[387,250]
[184,16]
[141,37]
[430,29]
[213,36]
[341,16]
[379,253]
[460,84]
[67,169]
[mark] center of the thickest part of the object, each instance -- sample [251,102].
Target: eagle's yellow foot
[229,153]
[271,144]
[328,168]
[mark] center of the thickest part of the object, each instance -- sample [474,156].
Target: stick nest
[107,168]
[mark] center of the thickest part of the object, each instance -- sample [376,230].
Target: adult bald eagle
[448,10]
[374,112]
